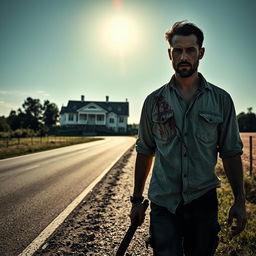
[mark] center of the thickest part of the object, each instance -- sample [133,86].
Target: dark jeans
[191,231]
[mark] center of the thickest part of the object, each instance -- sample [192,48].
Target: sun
[119,33]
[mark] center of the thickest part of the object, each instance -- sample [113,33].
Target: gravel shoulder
[98,224]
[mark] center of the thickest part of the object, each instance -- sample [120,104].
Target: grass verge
[245,243]
[27,146]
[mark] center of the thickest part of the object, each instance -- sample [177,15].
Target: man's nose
[183,55]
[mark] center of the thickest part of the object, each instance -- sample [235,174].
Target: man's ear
[169,53]
[201,52]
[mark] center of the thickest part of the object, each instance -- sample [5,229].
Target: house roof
[120,108]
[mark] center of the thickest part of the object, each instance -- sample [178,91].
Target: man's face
[185,54]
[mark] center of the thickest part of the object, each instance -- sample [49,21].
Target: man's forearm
[142,168]
[234,171]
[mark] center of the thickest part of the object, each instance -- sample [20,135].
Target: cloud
[43,93]
[13,99]
[12,93]
[8,105]
[24,94]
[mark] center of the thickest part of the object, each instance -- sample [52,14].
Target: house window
[100,117]
[111,120]
[83,117]
[92,107]
[70,117]
[121,129]
[121,119]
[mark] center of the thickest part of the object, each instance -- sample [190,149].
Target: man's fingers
[137,215]
[236,230]
[141,220]
[241,224]
[237,212]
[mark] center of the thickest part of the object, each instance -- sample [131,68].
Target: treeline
[33,118]
[247,121]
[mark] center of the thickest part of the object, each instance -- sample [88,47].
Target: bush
[42,130]
[4,126]
[23,133]
[5,135]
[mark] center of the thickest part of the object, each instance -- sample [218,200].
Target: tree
[33,113]
[247,121]
[4,126]
[33,107]
[249,110]
[14,120]
[50,113]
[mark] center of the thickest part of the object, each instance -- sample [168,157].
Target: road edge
[49,230]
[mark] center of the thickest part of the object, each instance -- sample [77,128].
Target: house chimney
[82,97]
[107,98]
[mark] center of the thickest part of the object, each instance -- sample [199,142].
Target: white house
[112,115]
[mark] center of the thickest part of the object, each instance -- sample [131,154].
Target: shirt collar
[203,85]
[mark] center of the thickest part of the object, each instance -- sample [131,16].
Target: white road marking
[41,238]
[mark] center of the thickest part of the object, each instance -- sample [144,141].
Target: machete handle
[145,204]
[129,234]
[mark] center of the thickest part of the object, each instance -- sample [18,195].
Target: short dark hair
[185,28]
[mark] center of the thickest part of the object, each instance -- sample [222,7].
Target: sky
[62,49]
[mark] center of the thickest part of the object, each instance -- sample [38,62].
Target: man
[185,124]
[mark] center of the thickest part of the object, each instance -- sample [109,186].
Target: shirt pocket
[164,128]
[207,128]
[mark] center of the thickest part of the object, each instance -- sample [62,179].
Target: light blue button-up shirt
[185,140]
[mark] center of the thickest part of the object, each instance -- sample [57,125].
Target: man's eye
[191,50]
[177,50]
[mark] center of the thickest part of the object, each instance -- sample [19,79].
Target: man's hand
[238,212]
[137,214]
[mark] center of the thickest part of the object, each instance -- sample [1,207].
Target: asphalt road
[35,188]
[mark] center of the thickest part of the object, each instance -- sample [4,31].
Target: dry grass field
[246,155]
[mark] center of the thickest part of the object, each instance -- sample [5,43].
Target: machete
[129,234]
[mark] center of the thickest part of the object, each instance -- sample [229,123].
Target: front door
[91,119]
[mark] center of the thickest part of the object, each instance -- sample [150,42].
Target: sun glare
[119,33]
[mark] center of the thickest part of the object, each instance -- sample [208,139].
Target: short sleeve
[229,142]
[145,143]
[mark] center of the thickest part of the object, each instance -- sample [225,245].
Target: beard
[185,72]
